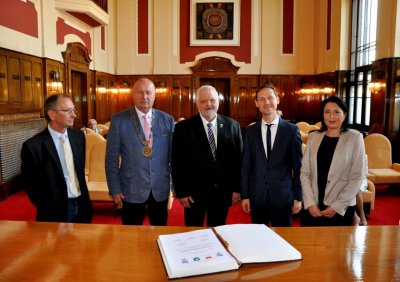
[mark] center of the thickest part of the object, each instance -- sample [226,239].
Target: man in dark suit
[53,164]
[206,157]
[271,189]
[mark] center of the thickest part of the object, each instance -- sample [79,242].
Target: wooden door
[79,97]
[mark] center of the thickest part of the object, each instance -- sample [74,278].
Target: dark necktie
[268,140]
[211,140]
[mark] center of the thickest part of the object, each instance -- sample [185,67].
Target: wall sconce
[55,85]
[376,86]
[316,89]
[124,87]
[101,86]
[113,89]
[161,87]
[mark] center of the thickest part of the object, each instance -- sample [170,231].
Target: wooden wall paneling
[125,100]
[286,88]
[37,87]
[163,99]
[14,80]
[103,106]
[3,79]
[247,110]
[26,80]
[176,98]
[186,97]
[91,96]
[180,97]
[113,95]
[49,67]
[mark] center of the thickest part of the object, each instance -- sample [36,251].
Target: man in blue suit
[271,189]
[138,158]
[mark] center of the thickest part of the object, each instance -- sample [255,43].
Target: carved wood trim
[77,52]
[214,64]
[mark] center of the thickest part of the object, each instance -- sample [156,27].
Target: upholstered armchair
[102,126]
[381,170]
[97,181]
[91,140]
[305,128]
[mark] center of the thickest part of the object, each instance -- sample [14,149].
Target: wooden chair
[381,170]
[97,181]
[107,124]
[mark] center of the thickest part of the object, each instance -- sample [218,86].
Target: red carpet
[18,207]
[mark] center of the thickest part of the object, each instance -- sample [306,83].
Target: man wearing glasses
[53,163]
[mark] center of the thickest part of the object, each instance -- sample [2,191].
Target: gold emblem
[147,151]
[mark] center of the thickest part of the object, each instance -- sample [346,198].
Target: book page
[251,243]
[194,253]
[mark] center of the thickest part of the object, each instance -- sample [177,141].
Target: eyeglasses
[68,111]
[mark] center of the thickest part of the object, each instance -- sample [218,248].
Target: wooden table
[31,251]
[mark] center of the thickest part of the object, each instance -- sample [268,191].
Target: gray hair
[208,88]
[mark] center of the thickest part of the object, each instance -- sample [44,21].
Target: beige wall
[121,57]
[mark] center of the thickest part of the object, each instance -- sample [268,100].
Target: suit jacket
[44,180]
[345,175]
[277,180]
[194,172]
[128,171]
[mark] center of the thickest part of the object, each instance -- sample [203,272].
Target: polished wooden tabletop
[31,251]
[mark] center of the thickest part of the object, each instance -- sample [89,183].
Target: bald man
[138,158]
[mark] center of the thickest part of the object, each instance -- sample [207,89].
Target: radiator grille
[12,135]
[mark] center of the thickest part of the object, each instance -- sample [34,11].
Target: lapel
[280,138]
[135,120]
[221,135]
[156,128]
[51,148]
[74,147]
[339,153]
[259,141]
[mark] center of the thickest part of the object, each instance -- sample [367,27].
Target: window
[363,48]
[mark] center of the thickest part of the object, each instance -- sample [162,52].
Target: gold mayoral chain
[146,150]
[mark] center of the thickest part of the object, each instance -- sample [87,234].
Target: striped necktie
[211,140]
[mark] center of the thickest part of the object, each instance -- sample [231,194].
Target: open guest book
[222,248]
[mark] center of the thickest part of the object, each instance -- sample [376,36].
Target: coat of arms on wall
[214,23]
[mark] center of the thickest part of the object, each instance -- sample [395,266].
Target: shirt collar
[55,134]
[141,114]
[213,122]
[274,122]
